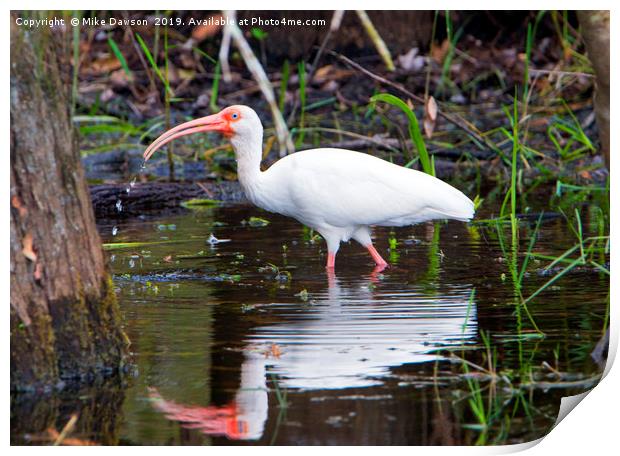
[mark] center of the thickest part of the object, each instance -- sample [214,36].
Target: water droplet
[119,205]
[132,263]
[114,230]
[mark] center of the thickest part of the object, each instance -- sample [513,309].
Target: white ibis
[337,192]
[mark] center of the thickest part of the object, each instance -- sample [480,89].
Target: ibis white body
[341,194]
[337,192]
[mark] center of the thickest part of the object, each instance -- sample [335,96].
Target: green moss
[33,358]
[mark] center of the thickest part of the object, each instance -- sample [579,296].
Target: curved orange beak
[215,122]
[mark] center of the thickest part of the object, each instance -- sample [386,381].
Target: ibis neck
[248,153]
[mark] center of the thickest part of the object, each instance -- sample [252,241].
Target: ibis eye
[235,115]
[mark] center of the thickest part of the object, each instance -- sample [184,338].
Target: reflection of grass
[393,243]
[281,393]
[494,409]
[281,396]
[434,260]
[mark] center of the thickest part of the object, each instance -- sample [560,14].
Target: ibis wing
[345,188]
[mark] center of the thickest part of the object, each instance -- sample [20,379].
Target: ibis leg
[375,256]
[331,260]
[362,235]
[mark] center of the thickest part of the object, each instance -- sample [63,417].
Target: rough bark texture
[64,316]
[595,30]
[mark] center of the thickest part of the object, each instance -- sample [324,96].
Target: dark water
[250,341]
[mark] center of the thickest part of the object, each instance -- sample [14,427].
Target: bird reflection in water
[350,337]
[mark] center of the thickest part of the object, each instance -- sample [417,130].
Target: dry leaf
[438,52]
[429,127]
[431,108]
[411,61]
[27,249]
[119,79]
[186,75]
[207,30]
[167,259]
[273,351]
[103,64]
[330,73]
[52,435]
[585,175]
[323,72]
[430,116]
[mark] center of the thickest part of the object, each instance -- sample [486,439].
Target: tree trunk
[595,30]
[65,321]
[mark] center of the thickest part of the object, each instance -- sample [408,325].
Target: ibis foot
[375,256]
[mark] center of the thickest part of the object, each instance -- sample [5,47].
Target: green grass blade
[530,247]
[286,72]
[205,55]
[151,60]
[215,88]
[414,128]
[119,55]
[576,262]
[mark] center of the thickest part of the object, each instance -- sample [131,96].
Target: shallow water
[251,341]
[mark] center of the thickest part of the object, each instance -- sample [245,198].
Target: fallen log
[157,196]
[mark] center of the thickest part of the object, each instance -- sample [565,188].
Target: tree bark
[65,321]
[595,30]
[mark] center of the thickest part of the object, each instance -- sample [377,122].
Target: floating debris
[124,245]
[303,295]
[256,222]
[273,351]
[171,227]
[213,240]
[198,203]
[228,278]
